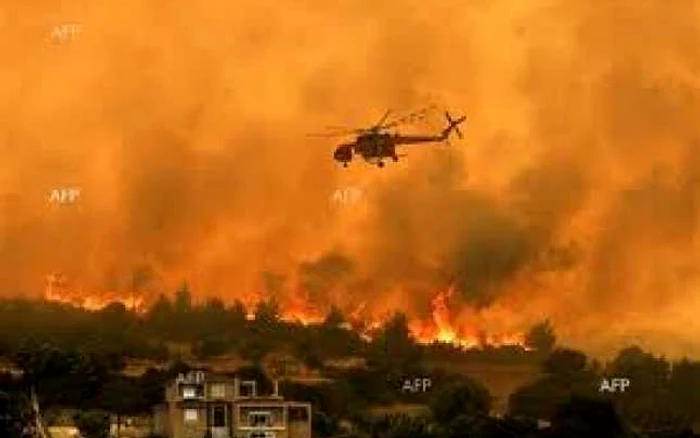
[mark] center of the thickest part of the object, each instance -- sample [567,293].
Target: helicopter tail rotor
[453,125]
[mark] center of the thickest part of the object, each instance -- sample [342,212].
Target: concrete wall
[299,429]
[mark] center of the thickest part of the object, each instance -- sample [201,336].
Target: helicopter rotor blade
[411,117]
[382,120]
[334,134]
[325,135]
[339,132]
[337,128]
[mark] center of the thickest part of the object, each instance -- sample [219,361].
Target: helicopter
[375,145]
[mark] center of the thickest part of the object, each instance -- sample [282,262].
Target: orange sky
[574,195]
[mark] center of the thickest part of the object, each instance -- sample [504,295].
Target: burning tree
[541,338]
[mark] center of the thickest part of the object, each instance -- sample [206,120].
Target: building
[204,405]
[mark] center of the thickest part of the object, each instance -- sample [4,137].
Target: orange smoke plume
[579,169]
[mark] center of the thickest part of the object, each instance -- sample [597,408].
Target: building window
[247,389]
[191,415]
[189,392]
[219,416]
[260,419]
[217,390]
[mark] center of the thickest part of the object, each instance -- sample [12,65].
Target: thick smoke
[574,195]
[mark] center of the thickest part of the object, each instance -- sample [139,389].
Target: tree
[183,300]
[15,415]
[565,362]
[541,338]
[61,376]
[403,426]
[267,313]
[333,339]
[538,400]
[684,387]
[115,313]
[394,350]
[160,315]
[334,318]
[237,314]
[481,427]
[467,397]
[646,403]
[211,330]
[566,374]
[212,346]
[122,396]
[309,353]
[184,319]
[254,348]
[93,424]
[323,425]
[582,417]
[176,368]
[152,384]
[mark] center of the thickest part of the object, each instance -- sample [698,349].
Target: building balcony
[276,428]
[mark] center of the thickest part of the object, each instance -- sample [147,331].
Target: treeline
[662,401]
[566,401]
[663,395]
[86,381]
[211,329]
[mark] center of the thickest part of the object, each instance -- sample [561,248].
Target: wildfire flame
[58,290]
[441,327]
[298,309]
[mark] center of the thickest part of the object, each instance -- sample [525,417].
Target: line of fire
[128,368]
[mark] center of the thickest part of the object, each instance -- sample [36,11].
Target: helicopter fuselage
[374,145]
[371,147]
